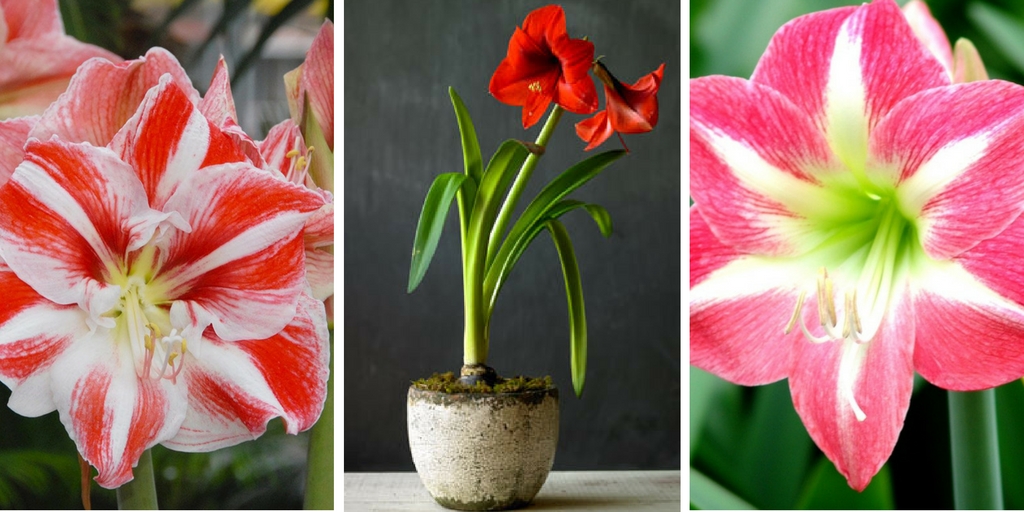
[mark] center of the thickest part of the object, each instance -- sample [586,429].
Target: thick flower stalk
[544,64]
[156,290]
[856,218]
[36,58]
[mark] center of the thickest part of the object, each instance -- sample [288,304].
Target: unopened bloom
[154,276]
[856,218]
[544,64]
[36,58]
[628,108]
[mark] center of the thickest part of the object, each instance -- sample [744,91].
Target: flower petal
[102,96]
[168,140]
[61,218]
[831,381]
[110,414]
[739,308]
[318,80]
[952,150]
[595,130]
[847,68]
[929,32]
[968,336]
[34,332]
[237,387]
[13,135]
[245,247]
[756,164]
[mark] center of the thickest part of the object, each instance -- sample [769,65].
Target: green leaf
[703,390]
[574,295]
[431,223]
[496,277]
[576,176]
[1002,29]
[826,489]
[470,147]
[707,494]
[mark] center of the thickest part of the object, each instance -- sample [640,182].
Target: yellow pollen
[292,154]
[534,86]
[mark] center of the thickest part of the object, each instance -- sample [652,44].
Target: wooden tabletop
[564,490]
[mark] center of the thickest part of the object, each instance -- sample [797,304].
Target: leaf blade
[574,297]
[431,223]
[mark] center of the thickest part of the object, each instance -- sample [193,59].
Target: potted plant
[480,441]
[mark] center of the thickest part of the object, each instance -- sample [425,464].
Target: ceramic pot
[476,451]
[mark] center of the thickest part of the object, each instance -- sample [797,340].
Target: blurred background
[749,443]
[400,132]
[261,40]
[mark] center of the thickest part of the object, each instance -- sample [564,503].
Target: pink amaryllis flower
[856,218]
[544,64]
[36,58]
[154,283]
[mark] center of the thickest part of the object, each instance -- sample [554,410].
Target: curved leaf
[470,147]
[499,272]
[573,178]
[707,494]
[431,223]
[574,295]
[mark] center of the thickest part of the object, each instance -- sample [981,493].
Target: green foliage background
[748,448]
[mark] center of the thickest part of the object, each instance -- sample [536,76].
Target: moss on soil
[448,382]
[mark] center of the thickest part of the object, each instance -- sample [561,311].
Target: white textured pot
[483,451]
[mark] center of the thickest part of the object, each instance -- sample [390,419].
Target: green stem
[475,343]
[140,492]
[498,231]
[977,483]
[320,463]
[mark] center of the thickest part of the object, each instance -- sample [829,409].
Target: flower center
[534,86]
[143,320]
[867,255]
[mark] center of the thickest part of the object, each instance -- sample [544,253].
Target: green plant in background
[543,66]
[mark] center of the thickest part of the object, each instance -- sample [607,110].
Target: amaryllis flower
[544,64]
[36,58]
[155,287]
[856,218]
[628,108]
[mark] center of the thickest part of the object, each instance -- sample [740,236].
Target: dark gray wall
[400,58]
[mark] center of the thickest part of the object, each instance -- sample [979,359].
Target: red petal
[546,24]
[635,110]
[595,130]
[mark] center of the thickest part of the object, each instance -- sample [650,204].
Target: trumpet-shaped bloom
[628,108]
[36,58]
[154,278]
[856,218]
[544,64]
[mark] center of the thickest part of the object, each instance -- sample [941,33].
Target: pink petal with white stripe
[756,166]
[853,397]
[239,386]
[738,312]
[855,65]
[929,32]
[956,149]
[968,336]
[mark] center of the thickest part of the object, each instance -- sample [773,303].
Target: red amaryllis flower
[628,108]
[857,217]
[544,64]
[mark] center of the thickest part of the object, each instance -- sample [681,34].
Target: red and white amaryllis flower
[154,283]
[856,218]
[36,58]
